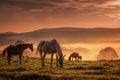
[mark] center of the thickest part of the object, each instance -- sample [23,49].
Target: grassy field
[84,70]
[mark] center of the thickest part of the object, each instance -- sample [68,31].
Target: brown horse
[74,55]
[79,58]
[16,50]
[50,47]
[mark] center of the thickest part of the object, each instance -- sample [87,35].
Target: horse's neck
[59,52]
[58,48]
[24,47]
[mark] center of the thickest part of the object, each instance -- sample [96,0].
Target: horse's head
[80,57]
[61,59]
[31,47]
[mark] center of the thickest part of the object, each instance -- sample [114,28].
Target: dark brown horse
[16,50]
[74,55]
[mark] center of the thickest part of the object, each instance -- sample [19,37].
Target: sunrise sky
[29,15]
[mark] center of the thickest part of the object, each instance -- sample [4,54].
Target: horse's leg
[9,58]
[43,64]
[56,60]
[41,58]
[80,58]
[77,58]
[51,60]
[20,57]
[70,59]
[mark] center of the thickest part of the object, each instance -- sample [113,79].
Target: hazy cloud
[40,12]
[68,5]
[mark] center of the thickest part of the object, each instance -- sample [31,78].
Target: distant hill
[64,35]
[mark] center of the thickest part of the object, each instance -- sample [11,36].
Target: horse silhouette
[74,55]
[79,58]
[50,47]
[16,50]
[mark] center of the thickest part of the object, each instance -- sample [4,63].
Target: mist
[86,41]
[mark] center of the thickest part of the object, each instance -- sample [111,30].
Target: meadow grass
[84,70]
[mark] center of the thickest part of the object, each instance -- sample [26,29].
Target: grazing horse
[50,47]
[16,50]
[74,55]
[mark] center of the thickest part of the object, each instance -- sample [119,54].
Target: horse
[74,55]
[50,47]
[19,42]
[16,50]
[79,58]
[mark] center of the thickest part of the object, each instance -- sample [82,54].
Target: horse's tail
[4,51]
[39,47]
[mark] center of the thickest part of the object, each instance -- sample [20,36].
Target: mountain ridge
[63,35]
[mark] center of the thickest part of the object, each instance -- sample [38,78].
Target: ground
[83,70]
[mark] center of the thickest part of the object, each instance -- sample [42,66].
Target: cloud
[114,3]
[115,16]
[81,6]
[59,12]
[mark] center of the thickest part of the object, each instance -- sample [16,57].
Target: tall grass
[84,70]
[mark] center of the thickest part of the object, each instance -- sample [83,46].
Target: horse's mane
[58,48]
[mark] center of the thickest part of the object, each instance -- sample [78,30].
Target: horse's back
[74,54]
[14,50]
[47,46]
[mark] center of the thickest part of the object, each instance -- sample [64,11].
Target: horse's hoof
[61,66]
[42,65]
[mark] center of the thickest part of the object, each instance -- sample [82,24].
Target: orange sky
[29,15]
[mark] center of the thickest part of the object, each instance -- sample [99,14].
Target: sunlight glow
[88,51]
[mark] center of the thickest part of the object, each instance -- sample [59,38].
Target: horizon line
[61,28]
